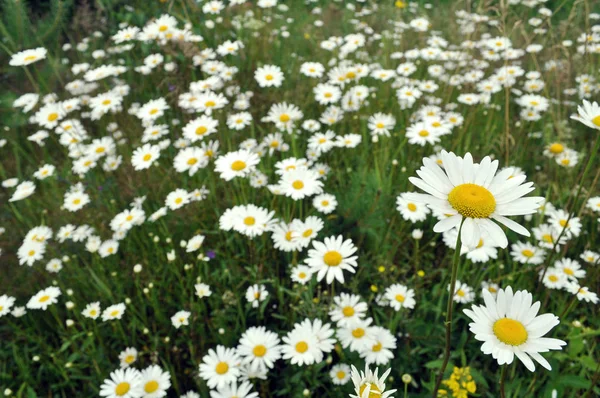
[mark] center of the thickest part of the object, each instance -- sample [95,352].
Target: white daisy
[509,326]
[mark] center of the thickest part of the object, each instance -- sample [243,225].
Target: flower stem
[502,377]
[449,307]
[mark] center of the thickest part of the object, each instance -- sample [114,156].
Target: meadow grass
[60,352]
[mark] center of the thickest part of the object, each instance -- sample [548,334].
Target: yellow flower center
[249,221]
[340,374]
[460,293]
[374,392]
[596,120]
[151,386]
[269,77]
[122,388]
[154,111]
[377,347]
[178,200]
[307,233]
[358,333]
[527,253]
[424,133]
[201,130]
[114,313]
[411,207]
[147,157]
[380,125]
[556,148]
[400,298]
[563,223]
[480,243]
[222,368]
[288,236]
[547,238]
[298,184]
[30,58]
[31,253]
[301,347]
[510,331]
[106,102]
[93,312]
[284,118]
[302,275]
[238,165]
[436,124]
[43,299]
[209,104]
[259,351]
[348,311]
[332,258]
[472,201]
[192,161]
[76,201]
[568,271]
[324,203]
[52,117]
[553,278]
[163,28]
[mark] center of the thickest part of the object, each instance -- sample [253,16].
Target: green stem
[502,377]
[449,308]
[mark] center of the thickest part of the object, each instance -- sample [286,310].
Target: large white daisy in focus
[509,326]
[475,193]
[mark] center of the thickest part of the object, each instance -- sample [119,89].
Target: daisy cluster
[238,199]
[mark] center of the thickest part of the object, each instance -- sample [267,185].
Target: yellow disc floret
[472,201]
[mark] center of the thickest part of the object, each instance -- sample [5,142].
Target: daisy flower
[340,374]
[347,308]
[256,294]
[236,164]
[123,383]
[509,326]
[27,57]
[269,76]
[234,390]
[202,290]
[300,345]
[400,296]
[411,211]
[145,156]
[582,293]
[181,318]
[155,382]
[300,183]
[220,367]
[588,114]
[301,274]
[113,312]
[463,293]
[330,258]
[127,357]
[259,347]
[6,302]
[44,298]
[571,268]
[526,253]
[472,194]
[381,351]
[368,384]
[92,310]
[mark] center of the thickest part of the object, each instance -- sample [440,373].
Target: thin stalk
[502,377]
[449,308]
